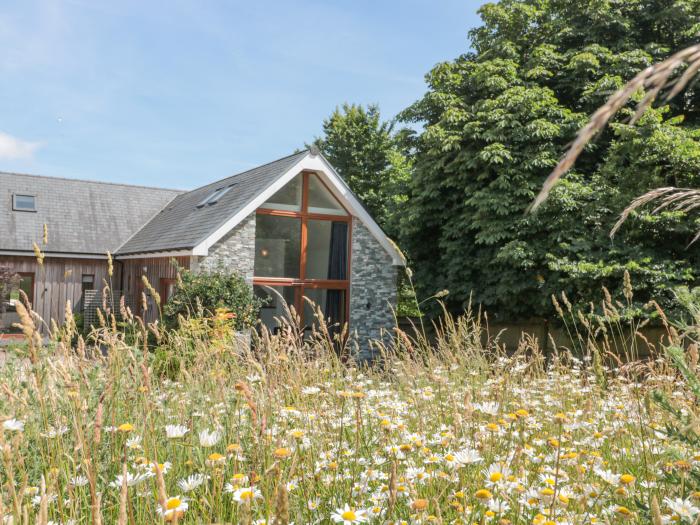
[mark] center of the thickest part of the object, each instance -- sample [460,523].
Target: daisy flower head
[163,467]
[487,407]
[78,481]
[133,443]
[175,431]
[13,425]
[246,494]
[209,438]
[173,509]
[347,515]
[496,474]
[215,460]
[191,483]
[468,456]
[683,508]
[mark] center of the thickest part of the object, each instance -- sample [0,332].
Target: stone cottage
[291,226]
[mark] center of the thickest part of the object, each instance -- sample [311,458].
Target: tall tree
[366,153]
[495,121]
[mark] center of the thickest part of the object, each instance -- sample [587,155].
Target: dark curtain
[338,257]
[337,270]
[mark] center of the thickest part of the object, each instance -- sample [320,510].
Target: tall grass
[445,429]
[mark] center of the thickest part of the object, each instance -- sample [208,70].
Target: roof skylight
[23,202]
[214,197]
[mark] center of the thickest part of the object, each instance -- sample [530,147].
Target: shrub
[208,294]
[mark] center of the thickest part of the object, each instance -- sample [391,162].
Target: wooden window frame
[302,282]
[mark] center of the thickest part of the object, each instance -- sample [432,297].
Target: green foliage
[201,294]
[367,154]
[8,279]
[494,123]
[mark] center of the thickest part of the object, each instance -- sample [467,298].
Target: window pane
[331,303]
[321,200]
[167,289]
[273,309]
[25,202]
[327,250]
[88,282]
[288,198]
[277,246]
[25,282]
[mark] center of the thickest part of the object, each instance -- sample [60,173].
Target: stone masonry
[373,281]
[235,251]
[373,290]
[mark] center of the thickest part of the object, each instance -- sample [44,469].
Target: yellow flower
[419,504]
[521,412]
[627,479]
[483,494]
[215,459]
[624,512]
[125,427]
[282,453]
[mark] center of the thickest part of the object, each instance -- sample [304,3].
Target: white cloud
[13,148]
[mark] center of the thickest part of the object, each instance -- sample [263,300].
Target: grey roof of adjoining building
[82,217]
[183,225]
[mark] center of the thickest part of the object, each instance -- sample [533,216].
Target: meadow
[451,430]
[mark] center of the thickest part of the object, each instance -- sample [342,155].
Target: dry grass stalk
[653,79]
[43,516]
[123,498]
[674,199]
[160,484]
[282,511]
[392,489]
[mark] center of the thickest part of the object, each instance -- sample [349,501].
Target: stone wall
[235,251]
[373,290]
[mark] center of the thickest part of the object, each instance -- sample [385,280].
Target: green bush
[214,293]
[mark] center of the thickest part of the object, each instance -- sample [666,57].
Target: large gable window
[302,252]
[23,202]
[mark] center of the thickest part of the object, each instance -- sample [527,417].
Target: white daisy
[683,508]
[348,516]
[175,431]
[209,438]
[13,425]
[191,483]
[245,494]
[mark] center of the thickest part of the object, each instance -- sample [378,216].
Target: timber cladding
[57,281]
[60,279]
[158,271]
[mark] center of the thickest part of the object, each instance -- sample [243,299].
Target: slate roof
[83,217]
[182,225]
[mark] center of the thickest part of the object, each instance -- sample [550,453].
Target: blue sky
[179,93]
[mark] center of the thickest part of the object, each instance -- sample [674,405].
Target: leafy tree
[367,154]
[209,293]
[495,121]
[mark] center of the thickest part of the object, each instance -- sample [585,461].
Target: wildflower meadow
[451,430]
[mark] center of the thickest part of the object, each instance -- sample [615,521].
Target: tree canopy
[494,122]
[367,154]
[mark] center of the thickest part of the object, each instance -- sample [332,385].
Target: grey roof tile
[182,225]
[85,217]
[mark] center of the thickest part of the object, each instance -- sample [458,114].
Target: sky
[180,93]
